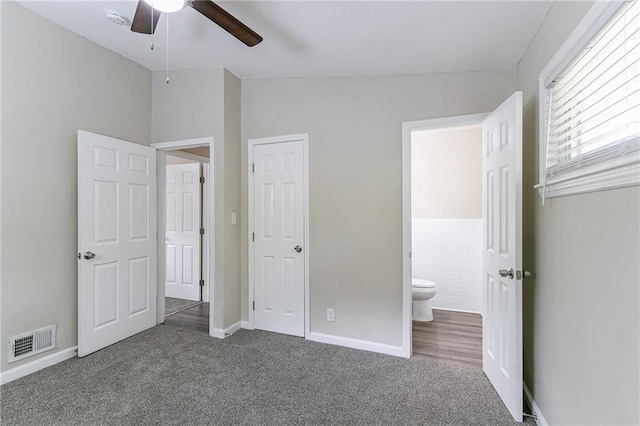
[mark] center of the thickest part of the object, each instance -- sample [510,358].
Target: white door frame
[407,129]
[189,156]
[304,137]
[209,246]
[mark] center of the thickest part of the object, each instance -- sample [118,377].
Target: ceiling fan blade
[225,20]
[142,22]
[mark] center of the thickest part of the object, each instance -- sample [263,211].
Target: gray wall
[54,82]
[190,106]
[205,103]
[355,127]
[582,325]
[232,150]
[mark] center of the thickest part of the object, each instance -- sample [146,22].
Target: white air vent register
[32,343]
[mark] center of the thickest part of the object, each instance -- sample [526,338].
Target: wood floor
[456,336]
[195,318]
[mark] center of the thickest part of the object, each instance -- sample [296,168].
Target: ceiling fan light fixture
[166,5]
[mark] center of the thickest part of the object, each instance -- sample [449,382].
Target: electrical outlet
[330,315]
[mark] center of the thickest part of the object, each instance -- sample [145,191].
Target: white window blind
[593,104]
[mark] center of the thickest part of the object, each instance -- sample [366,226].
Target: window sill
[598,178]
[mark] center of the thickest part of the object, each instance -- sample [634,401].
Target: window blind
[594,103]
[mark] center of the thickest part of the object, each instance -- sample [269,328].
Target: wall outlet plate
[330,315]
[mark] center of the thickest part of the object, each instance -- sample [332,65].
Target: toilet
[421,293]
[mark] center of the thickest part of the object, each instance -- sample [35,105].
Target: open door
[183,231]
[116,240]
[502,252]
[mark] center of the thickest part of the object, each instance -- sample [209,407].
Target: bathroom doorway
[442,221]
[186,259]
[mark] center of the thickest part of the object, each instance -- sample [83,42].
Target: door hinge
[253,236]
[253,167]
[201,179]
[201,231]
[201,283]
[254,305]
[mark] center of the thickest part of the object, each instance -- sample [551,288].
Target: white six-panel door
[278,225]
[116,240]
[183,231]
[502,252]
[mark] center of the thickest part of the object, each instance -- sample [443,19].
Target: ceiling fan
[148,13]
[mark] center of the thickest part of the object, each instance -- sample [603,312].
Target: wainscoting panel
[448,252]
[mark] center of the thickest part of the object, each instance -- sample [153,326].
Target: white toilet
[421,293]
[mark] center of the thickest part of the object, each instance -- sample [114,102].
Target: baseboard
[247,325]
[457,310]
[37,365]
[221,334]
[233,328]
[356,344]
[535,410]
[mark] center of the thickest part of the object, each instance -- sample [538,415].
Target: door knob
[505,273]
[523,274]
[298,249]
[89,255]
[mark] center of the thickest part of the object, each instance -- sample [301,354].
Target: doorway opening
[186,283]
[185,232]
[446,235]
[442,238]
[501,245]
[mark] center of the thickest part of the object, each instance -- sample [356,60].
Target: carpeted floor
[171,376]
[172,305]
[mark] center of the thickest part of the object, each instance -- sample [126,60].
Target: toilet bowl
[421,293]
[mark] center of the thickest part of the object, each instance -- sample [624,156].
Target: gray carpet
[171,376]
[172,305]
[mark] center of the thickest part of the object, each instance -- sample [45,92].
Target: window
[590,105]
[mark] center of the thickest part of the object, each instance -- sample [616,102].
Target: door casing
[407,129]
[304,137]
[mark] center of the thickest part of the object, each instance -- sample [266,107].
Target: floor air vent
[31,343]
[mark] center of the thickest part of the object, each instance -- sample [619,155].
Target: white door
[278,264]
[183,231]
[502,252]
[116,240]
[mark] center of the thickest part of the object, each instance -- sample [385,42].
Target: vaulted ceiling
[319,38]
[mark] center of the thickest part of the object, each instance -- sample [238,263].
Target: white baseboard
[457,310]
[535,410]
[356,344]
[37,365]
[221,334]
[247,325]
[233,328]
